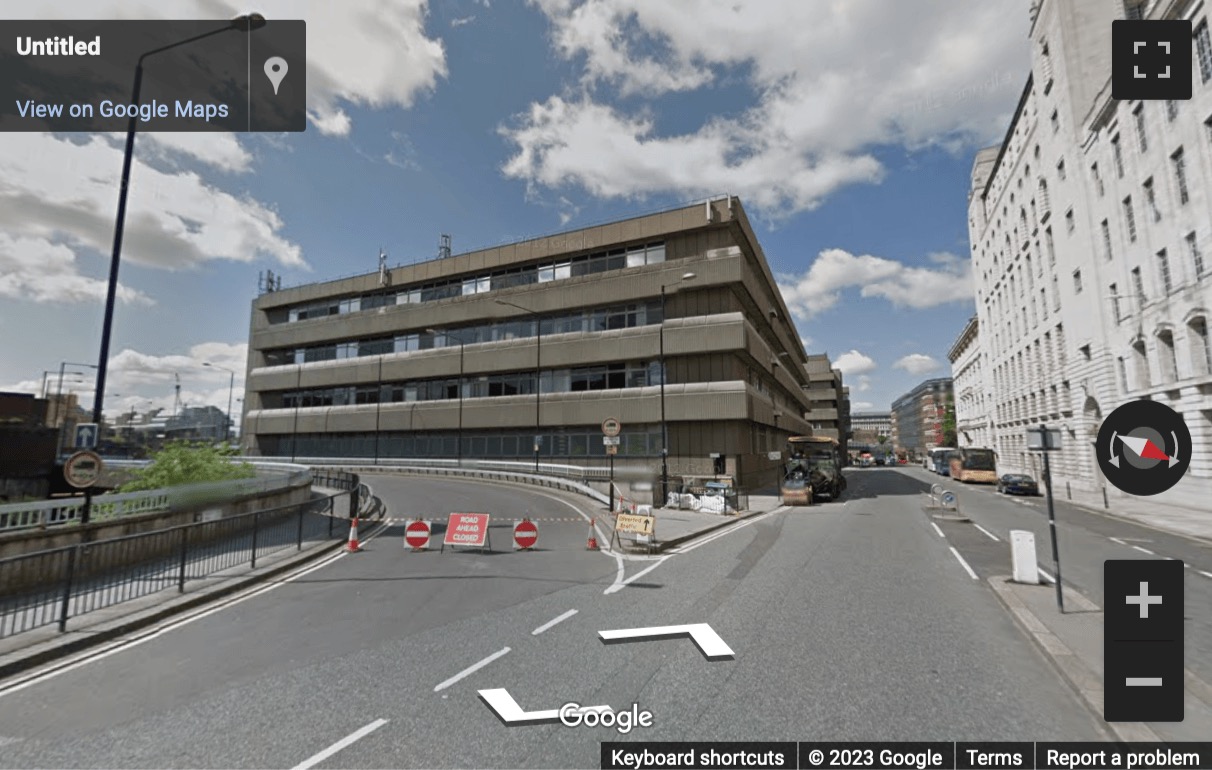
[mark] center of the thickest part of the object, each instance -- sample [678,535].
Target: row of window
[1197,269]
[604,377]
[1199,359]
[594,320]
[588,264]
[637,442]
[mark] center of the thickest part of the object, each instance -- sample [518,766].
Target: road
[849,621]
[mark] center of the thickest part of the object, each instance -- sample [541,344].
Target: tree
[882,439]
[950,436]
[183,462]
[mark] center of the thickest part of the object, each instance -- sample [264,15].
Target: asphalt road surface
[849,621]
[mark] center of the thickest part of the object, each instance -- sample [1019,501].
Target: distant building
[828,400]
[1092,250]
[27,447]
[866,429]
[973,399]
[919,416]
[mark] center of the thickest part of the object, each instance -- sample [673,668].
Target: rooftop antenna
[384,276]
[444,247]
[177,397]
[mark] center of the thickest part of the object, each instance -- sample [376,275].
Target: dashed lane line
[987,532]
[346,741]
[939,531]
[552,622]
[1144,550]
[963,563]
[471,669]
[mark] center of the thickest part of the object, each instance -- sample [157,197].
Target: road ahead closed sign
[466,529]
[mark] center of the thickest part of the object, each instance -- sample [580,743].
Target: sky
[848,130]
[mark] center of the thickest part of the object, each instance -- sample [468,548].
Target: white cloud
[828,82]
[854,362]
[917,363]
[820,287]
[861,405]
[461,21]
[864,383]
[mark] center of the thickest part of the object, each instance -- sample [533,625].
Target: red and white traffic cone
[592,545]
[353,546]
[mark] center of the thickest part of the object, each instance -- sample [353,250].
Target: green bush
[185,462]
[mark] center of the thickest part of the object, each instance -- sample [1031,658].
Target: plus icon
[1144,600]
[1151,59]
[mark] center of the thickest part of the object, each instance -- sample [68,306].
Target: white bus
[938,460]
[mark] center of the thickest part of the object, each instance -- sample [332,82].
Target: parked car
[1017,484]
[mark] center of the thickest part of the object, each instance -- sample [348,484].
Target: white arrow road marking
[707,640]
[512,715]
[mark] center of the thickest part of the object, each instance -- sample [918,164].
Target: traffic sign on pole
[83,469]
[611,427]
[525,535]
[416,535]
[86,435]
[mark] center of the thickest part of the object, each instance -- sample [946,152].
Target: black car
[1017,484]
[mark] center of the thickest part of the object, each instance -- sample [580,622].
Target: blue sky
[848,130]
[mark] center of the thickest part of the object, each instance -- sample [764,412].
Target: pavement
[1183,519]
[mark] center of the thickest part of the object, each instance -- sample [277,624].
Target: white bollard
[1022,553]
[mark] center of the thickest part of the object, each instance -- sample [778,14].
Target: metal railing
[49,587]
[548,469]
[68,510]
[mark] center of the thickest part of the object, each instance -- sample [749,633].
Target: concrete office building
[866,428]
[1092,249]
[973,419]
[918,417]
[439,359]
[828,400]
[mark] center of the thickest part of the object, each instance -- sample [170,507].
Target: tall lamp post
[538,376]
[59,399]
[231,384]
[458,339]
[664,424]
[245,23]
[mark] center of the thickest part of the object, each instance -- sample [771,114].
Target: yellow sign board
[636,525]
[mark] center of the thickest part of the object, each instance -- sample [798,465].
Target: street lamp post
[664,424]
[294,430]
[59,400]
[246,23]
[459,455]
[538,376]
[231,384]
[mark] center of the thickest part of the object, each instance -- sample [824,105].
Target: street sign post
[1045,440]
[611,428]
[86,435]
[525,535]
[83,469]
[416,535]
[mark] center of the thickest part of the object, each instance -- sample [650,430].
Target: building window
[1163,271]
[1070,222]
[1138,286]
[1151,199]
[1045,61]
[1203,51]
[1166,357]
[1171,109]
[1060,169]
[1051,246]
[1134,9]
[1055,121]
[1180,175]
[1140,364]
[1197,257]
[1045,203]
[1201,345]
[1123,374]
[1118,154]
[1115,302]
[1077,281]
[1142,138]
[1098,179]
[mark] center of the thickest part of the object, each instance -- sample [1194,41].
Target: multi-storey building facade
[919,417]
[1091,232]
[973,420]
[828,400]
[522,351]
[867,427]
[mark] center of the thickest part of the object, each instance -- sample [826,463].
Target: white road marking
[963,563]
[601,533]
[1047,577]
[936,529]
[347,740]
[636,576]
[1117,540]
[72,664]
[987,532]
[727,531]
[1205,574]
[471,669]
[552,622]
[1144,550]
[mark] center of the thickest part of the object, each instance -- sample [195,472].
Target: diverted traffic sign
[635,524]
[83,469]
[525,534]
[469,529]
[416,535]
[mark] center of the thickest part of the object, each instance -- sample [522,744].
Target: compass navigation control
[1144,447]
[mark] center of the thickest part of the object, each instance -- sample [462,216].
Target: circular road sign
[1144,447]
[611,427]
[416,534]
[525,534]
[83,469]
[948,499]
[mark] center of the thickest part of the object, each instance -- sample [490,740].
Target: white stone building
[973,396]
[1091,230]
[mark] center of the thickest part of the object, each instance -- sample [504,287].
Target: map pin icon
[275,70]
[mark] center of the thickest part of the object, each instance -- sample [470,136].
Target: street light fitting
[689,276]
[248,22]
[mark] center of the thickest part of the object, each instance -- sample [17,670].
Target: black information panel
[213,75]
[1143,640]
[928,755]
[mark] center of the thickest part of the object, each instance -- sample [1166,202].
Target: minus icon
[1144,681]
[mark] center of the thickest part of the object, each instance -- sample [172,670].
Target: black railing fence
[47,587]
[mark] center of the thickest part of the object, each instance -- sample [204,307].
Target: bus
[938,459]
[974,465]
[813,469]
